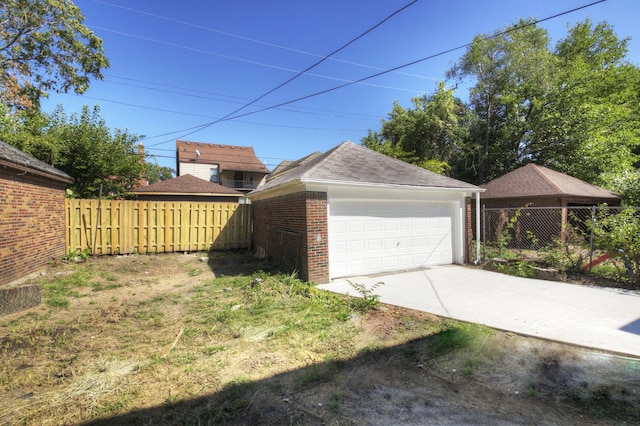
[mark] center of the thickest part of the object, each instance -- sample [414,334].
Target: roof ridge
[315,163]
[539,172]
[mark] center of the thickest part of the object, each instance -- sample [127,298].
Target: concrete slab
[593,317]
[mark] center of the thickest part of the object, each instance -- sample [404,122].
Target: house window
[237,179]
[214,175]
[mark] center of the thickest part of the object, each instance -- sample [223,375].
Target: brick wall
[32,229]
[291,231]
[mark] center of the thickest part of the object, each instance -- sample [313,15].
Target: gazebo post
[563,221]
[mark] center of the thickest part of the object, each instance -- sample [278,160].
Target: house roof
[286,166]
[227,157]
[533,180]
[186,184]
[12,157]
[351,163]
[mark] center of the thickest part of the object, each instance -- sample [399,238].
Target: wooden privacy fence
[124,227]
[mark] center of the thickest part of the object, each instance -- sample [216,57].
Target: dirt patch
[152,340]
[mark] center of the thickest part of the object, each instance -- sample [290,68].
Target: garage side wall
[32,229]
[291,231]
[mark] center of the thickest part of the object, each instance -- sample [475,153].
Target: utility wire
[279,86]
[300,73]
[252,40]
[444,52]
[234,58]
[310,111]
[441,53]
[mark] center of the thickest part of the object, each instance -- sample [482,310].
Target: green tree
[93,155]
[510,73]
[82,146]
[157,173]
[627,184]
[45,46]
[427,135]
[590,124]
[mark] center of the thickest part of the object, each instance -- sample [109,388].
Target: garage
[351,211]
[371,236]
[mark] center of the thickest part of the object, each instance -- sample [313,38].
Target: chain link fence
[536,228]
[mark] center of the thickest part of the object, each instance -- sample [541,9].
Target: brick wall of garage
[32,228]
[291,231]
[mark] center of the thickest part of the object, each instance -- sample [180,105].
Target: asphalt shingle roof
[12,156]
[533,180]
[351,163]
[228,157]
[186,184]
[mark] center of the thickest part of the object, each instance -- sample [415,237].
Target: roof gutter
[35,171]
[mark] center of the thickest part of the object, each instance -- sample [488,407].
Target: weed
[194,272]
[78,255]
[210,350]
[334,402]
[56,292]
[368,299]
[458,335]
[468,369]
[95,286]
[518,269]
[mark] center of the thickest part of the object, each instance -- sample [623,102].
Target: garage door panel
[374,245]
[356,226]
[356,245]
[374,225]
[369,236]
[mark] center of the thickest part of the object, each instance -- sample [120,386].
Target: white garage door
[370,236]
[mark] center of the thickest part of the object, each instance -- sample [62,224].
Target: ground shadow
[399,384]
[236,262]
[632,327]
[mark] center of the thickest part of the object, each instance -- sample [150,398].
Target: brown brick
[32,228]
[292,230]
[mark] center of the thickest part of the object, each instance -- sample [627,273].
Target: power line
[444,52]
[240,101]
[253,40]
[350,42]
[205,116]
[235,58]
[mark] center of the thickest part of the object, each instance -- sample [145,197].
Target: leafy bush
[567,255]
[620,233]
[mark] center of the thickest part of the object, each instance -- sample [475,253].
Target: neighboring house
[538,186]
[352,211]
[187,188]
[32,226]
[235,167]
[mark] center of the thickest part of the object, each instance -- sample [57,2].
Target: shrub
[620,233]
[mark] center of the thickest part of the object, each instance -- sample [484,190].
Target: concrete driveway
[600,318]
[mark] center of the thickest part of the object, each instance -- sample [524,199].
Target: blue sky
[176,65]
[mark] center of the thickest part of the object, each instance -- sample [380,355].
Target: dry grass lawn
[221,338]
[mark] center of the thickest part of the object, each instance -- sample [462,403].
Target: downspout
[477,228]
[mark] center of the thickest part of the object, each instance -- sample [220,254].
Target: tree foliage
[620,233]
[510,71]
[157,173]
[426,135]
[45,46]
[574,107]
[82,146]
[589,126]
